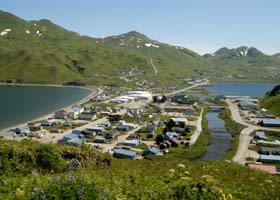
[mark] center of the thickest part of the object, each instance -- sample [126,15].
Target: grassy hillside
[37,171]
[271,101]
[43,52]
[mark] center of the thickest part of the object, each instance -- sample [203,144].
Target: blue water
[239,89]
[19,104]
[220,141]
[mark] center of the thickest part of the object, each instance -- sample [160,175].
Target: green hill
[271,101]
[31,170]
[43,52]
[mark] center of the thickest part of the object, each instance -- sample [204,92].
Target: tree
[163,99]
[159,139]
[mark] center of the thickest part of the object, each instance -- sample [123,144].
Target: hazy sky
[201,25]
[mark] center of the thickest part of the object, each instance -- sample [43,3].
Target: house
[94,130]
[61,114]
[247,105]
[266,168]
[268,143]
[175,142]
[270,122]
[72,138]
[179,130]
[47,124]
[112,134]
[74,112]
[183,98]
[270,150]
[126,126]
[179,109]
[170,135]
[155,121]
[269,158]
[35,127]
[131,143]
[67,124]
[24,130]
[260,135]
[150,131]
[100,139]
[179,122]
[87,115]
[220,98]
[151,151]
[123,153]
[105,124]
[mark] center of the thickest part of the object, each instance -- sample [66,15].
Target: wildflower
[230,196]
[172,170]
[181,166]
[37,190]
[186,178]
[187,173]
[72,179]
[268,181]
[81,192]
[19,192]
[207,177]
[57,178]
[210,180]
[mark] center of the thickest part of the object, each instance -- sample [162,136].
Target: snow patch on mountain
[246,51]
[151,45]
[5,32]
[38,33]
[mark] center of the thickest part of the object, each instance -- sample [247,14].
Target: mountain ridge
[44,52]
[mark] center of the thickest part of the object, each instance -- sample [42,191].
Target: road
[187,88]
[198,130]
[244,139]
[155,68]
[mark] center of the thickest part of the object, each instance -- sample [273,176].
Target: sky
[201,25]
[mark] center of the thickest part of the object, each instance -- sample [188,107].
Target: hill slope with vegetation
[30,170]
[271,101]
[43,52]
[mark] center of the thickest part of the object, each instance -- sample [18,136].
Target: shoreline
[93,92]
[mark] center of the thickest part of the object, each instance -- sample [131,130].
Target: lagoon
[239,89]
[19,104]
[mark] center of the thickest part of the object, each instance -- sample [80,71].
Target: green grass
[60,55]
[272,104]
[162,177]
[199,148]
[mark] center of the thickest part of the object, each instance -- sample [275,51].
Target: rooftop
[125,152]
[271,121]
[267,168]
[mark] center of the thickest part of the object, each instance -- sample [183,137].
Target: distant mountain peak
[236,53]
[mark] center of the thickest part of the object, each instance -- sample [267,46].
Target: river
[220,138]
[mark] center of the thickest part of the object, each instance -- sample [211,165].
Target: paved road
[187,88]
[244,139]
[155,68]
[198,130]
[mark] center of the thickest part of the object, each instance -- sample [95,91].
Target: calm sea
[239,89]
[19,104]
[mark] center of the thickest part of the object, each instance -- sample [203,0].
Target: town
[136,124]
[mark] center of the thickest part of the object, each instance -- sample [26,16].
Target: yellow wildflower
[19,192]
